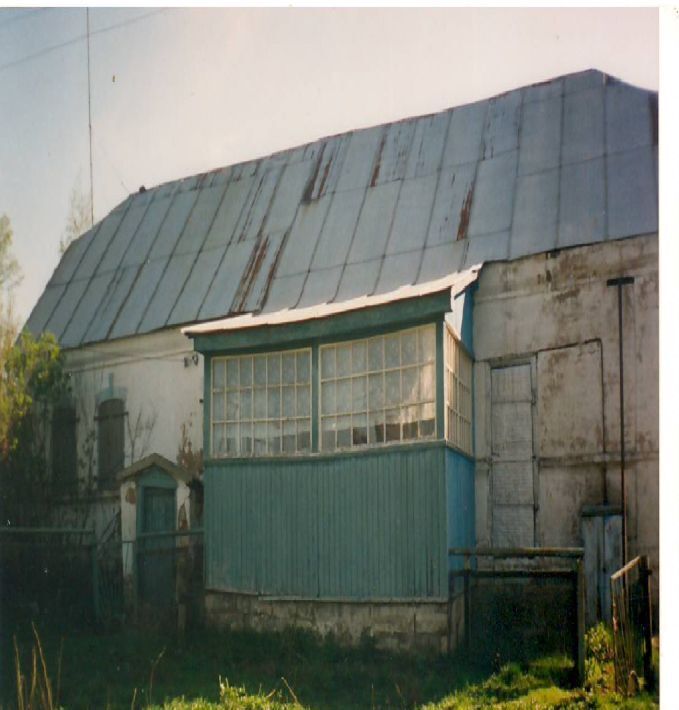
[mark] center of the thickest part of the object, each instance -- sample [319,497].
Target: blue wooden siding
[368,525]
[460,503]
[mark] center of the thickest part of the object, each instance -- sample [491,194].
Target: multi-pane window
[261,404]
[378,390]
[458,395]
[110,440]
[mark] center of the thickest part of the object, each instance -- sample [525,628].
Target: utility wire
[101,30]
[89,113]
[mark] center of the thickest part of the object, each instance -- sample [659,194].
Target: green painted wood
[357,527]
[354,324]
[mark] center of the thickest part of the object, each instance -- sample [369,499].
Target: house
[404,340]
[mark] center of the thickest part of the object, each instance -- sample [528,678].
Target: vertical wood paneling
[372,525]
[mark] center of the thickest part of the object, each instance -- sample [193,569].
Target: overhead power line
[79,38]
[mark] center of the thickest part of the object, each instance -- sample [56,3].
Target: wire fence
[631,602]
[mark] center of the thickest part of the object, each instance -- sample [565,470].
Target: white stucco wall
[556,312]
[160,379]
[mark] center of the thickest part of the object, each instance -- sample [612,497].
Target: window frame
[402,406]
[463,439]
[62,414]
[106,479]
[252,420]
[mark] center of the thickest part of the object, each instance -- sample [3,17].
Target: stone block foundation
[397,625]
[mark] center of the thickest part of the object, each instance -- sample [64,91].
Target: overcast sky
[175,91]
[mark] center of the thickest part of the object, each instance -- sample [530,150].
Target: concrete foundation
[392,625]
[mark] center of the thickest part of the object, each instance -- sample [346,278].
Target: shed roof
[567,162]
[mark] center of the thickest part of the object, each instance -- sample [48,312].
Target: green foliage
[599,671]
[10,273]
[32,381]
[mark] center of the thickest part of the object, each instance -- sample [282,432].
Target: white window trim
[465,446]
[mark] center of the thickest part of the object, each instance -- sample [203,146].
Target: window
[458,395]
[110,440]
[261,404]
[379,390]
[64,450]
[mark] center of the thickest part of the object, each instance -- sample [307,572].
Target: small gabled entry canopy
[154,461]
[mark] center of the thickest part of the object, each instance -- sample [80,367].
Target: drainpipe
[620,282]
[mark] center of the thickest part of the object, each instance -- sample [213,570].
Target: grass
[223,670]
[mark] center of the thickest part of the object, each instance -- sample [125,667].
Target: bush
[599,671]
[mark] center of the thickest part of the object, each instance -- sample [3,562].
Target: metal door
[157,553]
[512,463]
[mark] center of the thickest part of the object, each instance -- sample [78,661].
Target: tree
[10,272]
[79,218]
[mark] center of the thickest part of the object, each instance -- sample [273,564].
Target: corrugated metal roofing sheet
[566,162]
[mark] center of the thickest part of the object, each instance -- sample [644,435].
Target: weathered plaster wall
[556,311]
[160,379]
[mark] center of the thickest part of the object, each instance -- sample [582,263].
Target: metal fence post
[580,611]
[95,581]
[467,605]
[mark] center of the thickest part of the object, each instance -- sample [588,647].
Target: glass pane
[218,374]
[289,401]
[410,422]
[218,406]
[273,400]
[232,436]
[427,336]
[427,383]
[233,405]
[327,362]
[273,369]
[409,385]
[303,401]
[303,367]
[343,432]
[245,403]
[218,440]
[246,371]
[260,370]
[260,439]
[376,354]
[393,388]
[303,435]
[328,400]
[343,360]
[358,357]
[428,420]
[393,425]
[246,438]
[376,391]
[274,437]
[344,396]
[376,429]
[358,395]
[260,403]
[409,347]
[232,370]
[328,427]
[359,430]
[288,368]
[289,437]
[392,351]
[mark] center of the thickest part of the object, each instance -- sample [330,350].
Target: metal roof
[571,161]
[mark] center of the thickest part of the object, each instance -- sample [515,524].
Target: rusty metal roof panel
[299,249]
[109,306]
[358,279]
[493,195]
[569,161]
[631,207]
[320,287]
[583,126]
[540,136]
[333,244]
[413,210]
[536,212]
[372,230]
[582,216]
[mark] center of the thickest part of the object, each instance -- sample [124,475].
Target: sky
[176,92]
